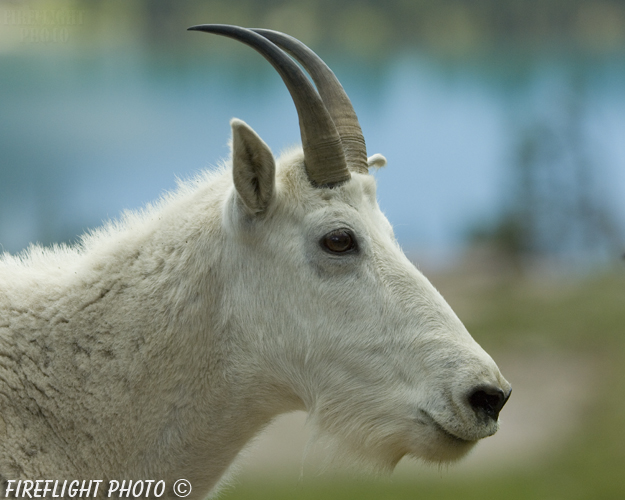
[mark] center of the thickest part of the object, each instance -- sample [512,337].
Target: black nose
[488,400]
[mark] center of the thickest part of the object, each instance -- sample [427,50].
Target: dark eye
[339,241]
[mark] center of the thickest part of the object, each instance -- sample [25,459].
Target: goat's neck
[150,380]
[198,392]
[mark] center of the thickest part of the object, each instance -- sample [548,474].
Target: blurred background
[504,126]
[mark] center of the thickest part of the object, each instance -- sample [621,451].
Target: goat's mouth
[427,419]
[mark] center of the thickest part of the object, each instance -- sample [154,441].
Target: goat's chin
[378,454]
[441,448]
[352,453]
[380,460]
[339,454]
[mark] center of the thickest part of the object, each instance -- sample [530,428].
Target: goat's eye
[339,241]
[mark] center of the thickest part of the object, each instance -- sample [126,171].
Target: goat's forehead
[296,189]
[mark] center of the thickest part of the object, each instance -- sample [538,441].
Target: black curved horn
[323,151]
[334,97]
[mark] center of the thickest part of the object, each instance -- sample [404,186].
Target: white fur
[163,342]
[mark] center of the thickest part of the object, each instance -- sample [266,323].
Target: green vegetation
[586,316]
[366,27]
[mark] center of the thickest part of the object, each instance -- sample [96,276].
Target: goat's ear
[253,167]
[376,161]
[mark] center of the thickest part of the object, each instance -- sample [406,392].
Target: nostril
[488,400]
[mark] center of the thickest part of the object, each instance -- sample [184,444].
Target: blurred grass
[506,313]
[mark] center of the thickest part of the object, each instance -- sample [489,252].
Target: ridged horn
[334,97]
[323,152]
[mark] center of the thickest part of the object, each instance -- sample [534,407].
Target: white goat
[164,342]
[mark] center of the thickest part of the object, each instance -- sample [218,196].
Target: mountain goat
[159,346]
